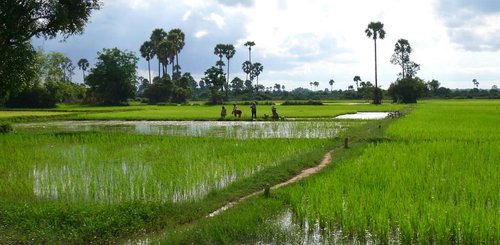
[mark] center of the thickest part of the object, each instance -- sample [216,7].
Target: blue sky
[299,42]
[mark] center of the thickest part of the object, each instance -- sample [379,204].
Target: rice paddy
[432,176]
[436,181]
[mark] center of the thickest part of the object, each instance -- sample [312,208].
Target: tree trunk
[227,78]
[159,75]
[375,99]
[149,71]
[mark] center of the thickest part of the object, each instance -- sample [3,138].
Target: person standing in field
[223,113]
[234,108]
[275,113]
[254,110]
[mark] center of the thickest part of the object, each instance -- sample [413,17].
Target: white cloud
[217,19]
[186,15]
[200,34]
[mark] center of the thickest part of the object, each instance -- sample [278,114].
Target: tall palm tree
[357,79]
[476,83]
[316,84]
[164,54]
[311,84]
[83,64]
[229,52]
[157,36]
[375,30]
[147,53]
[178,38]
[249,44]
[220,50]
[331,82]
[257,69]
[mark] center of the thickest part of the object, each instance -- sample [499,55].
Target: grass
[94,187]
[433,177]
[437,180]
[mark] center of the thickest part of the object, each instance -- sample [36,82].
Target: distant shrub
[5,128]
[301,102]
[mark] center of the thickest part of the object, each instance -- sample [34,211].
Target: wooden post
[267,190]
[346,143]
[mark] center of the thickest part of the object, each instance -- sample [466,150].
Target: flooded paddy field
[225,129]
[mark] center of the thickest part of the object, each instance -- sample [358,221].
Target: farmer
[223,113]
[254,110]
[234,108]
[275,114]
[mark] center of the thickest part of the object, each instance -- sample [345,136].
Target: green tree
[237,85]
[316,84]
[22,20]
[177,37]
[401,57]
[214,79]
[247,68]
[375,30]
[357,79]
[112,80]
[147,52]
[250,44]
[433,86]
[475,82]
[407,90]
[331,82]
[165,54]
[83,64]
[220,50]
[157,36]
[257,69]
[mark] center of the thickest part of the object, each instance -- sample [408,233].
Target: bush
[5,128]
[34,97]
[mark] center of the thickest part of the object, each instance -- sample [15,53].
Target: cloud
[472,24]
[233,3]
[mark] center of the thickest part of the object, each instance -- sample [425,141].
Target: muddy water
[241,130]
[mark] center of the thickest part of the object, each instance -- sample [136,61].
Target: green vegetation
[437,180]
[82,187]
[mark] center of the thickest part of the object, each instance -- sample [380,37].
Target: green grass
[436,181]
[434,177]
[213,112]
[94,187]
[14,114]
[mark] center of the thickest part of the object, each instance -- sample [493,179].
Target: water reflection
[228,129]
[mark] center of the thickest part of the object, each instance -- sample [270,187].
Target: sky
[298,42]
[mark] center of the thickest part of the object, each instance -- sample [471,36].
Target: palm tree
[177,37]
[375,30]
[157,36]
[247,68]
[316,84]
[357,79]
[147,53]
[83,64]
[229,52]
[257,69]
[219,50]
[311,84]
[331,82]
[249,44]
[476,83]
[164,54]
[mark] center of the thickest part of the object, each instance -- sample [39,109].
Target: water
[226,129]
[365,115]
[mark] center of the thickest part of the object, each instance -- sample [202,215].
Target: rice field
[94,181]
[435,180]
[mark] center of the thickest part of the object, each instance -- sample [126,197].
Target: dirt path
[327,158]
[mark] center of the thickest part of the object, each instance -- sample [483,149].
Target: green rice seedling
[436,181]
